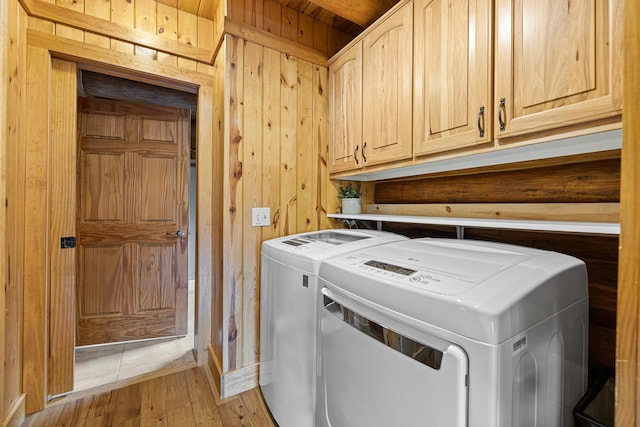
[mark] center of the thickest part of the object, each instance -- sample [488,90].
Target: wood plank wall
[275,157]
[272,17]
[180,39]
[584,182]
[147,17]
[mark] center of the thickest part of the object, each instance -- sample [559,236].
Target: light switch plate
[260,217]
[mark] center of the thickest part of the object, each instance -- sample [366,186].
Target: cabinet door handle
[355,154]
[481,121]
[364,158]
[500,112]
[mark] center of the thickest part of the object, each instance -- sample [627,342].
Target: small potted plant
[350,195]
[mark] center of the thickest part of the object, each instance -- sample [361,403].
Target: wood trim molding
[40,48]
[266,39]
[582,212]
[16,414]
[628,317]
[119,64]
[234,382]
[239,381]
[51,12]
[48,11]
[216,370]
[4,279]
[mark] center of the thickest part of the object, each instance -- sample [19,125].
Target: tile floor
[106,364]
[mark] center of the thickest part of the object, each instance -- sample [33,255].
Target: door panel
[345,110]
[103,187]
[157,206]
[387,73]
[133,198]
[557,63]
[452,81]
[101,280]
[155,278]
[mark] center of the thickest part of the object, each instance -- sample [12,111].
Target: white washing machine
[289,306]
[451,333]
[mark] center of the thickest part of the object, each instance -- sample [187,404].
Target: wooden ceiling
[350,16]
[342,14]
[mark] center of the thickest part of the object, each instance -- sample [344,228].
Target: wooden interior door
[132,221]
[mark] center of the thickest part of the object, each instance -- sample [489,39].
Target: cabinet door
[387,81]
[452,82]
[345,110]
[558,63]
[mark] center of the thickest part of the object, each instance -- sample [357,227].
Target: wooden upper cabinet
[370,95]
[452,77]
[387,89]
[557,63]
[345,110]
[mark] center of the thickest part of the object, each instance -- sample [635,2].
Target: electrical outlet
[260,217]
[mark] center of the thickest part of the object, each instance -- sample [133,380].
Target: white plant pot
[351,206]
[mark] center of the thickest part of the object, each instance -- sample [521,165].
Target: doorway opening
[120,362]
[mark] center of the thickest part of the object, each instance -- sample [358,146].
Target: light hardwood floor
[179,399]
[100,367]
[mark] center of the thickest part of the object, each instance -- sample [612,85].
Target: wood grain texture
[179,399]
[387,87]
[4,123]
[62,222]
[453,75]
[271,141]
[210,238]
[267,39]
[322,196]
[306,172]
[288,137]
[582,212]
[35,220]
[133,158]
[362,12]
[628,323]
[275,23]
[345,110]
[590,182]
[274,141]
[121,28]
[14,164]
[574,81]
[252,160]
[232,205]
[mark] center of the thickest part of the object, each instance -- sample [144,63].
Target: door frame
[39,313]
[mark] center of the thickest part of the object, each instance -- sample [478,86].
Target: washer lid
[485,291]
[305,250]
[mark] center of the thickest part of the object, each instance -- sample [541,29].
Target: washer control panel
[395,272]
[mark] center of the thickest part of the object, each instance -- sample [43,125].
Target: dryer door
[374,376]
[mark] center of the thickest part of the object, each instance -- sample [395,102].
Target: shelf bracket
[460,232]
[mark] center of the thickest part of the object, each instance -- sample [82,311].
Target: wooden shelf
[607,228]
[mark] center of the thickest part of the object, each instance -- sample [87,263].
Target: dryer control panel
[408,275]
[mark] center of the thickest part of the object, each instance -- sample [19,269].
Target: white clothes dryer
[289,306]
[452,333]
